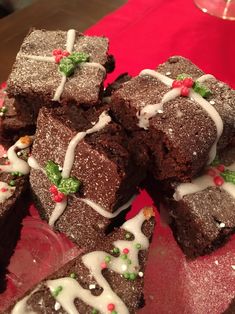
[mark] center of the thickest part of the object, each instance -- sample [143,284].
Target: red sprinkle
[110,307]
[211,172]
[7,162]
[176,83]
[188,82]
[53,189]
[4,190]
[103,265]
[218,180]
[221,168]
[125,251]
[184,91]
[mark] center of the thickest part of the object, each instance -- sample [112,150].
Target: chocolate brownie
[183,113]
[13,124]
[58,67]
[109,280]
[102,168]
[13,201]
[202,211]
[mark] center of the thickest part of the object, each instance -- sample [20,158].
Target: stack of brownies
[91,151]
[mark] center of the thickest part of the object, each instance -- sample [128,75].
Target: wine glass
[224,9]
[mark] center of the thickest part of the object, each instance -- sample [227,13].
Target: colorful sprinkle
[125,251]
[12,183]
[220,167]
[218,181]
[94,311]
[126,275]
[123,256]
[103,265]
[110,307]
[138,246]
[53,189]
[107,259]
[4,190]
[73,275]
[133,276]
[127,235]
[141,274]
[56,292]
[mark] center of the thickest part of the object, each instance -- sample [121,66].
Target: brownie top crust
[108,279]
[179,122]
[32,76]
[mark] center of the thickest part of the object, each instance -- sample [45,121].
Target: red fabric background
[144,33]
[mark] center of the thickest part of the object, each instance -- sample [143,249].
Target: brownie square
[202,212]
[103,163]
[13,204]
[179,132]
[36,77]
[91,282]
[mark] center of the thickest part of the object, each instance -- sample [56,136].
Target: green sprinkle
[133,276]
[114,312]
[126,275]
[73,275]
[56,292]
[129,261]
[215,162]
[229,176]
[12,183]
[107,259]
[67,66]
[116,250]
[182,76]
[202,90]
[127,235]
[14,173]
[94,311]
[138,246]
[69,185]
[124,256]
[4,109]
[53,172]
[20,174]
[78,57]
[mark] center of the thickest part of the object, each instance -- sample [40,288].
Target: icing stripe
[104,119]
[16,163]
[103,212]
[147,112]
[202,183]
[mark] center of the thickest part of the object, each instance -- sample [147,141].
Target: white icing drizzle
[104,119]
[71,289]
[60,88]
[21,306]
[147,112]
[6,191]
[93,64]
[71,36]
[17,164]
[202,183]
[102,211]
[32,162]
[38,58]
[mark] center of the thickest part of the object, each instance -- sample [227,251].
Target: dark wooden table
[48,14]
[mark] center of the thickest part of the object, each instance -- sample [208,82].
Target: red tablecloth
[144,33]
